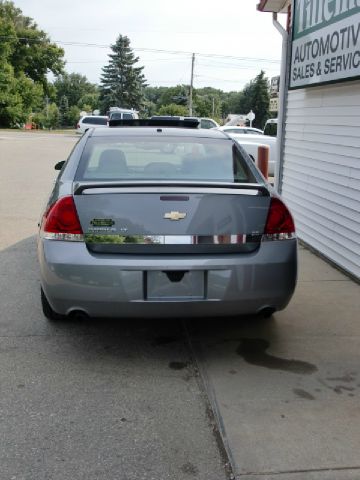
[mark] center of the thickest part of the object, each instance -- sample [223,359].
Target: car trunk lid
[145,218]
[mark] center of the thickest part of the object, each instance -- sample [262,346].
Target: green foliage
[173,109]
[90,100]
[72,116]
[63,109]
[49,117]
[177,95]
[256,97]
[18,96]
[77,89]
[212,102]
[122,83]
[31,51]
[52,116]
[230,103]
[157,97]
[26,56]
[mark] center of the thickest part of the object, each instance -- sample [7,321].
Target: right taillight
[280,224]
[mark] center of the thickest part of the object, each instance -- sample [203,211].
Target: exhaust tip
[267,312]
[78,315]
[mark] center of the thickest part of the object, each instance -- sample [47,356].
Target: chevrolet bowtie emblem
[174,216]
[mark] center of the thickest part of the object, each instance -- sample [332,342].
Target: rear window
[168,158]
[95,121]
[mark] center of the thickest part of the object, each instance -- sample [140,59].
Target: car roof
[224,127]
[246,136]
[93,116]
[153,131]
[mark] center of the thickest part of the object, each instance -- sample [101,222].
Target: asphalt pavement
[160,399]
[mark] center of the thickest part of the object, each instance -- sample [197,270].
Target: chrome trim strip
[68,237]
[225,239]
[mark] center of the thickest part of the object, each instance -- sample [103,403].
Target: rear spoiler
[80,187]
[156,122]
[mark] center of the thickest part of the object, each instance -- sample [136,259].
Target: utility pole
[47,106]
[191,84]
[213,107]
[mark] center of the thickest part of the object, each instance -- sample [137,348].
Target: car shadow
[21,315]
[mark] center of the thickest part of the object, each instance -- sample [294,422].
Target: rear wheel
[46,308]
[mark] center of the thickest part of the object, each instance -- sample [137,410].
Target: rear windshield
[169,158]
[95,120]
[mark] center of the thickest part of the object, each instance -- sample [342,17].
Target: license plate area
[179,285]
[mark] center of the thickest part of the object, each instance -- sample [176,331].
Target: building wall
[321,169]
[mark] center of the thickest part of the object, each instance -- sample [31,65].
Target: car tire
[46,308]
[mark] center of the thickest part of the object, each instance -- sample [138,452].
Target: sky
[232,41]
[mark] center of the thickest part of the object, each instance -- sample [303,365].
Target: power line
[152,50]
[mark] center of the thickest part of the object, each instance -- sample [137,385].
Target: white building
[319,167]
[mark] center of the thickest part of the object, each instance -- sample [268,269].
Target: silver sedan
[152,221]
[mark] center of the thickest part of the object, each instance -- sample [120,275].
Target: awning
[277,6]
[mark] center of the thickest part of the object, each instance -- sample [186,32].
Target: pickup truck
[251,142]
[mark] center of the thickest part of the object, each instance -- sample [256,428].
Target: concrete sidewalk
[287,388]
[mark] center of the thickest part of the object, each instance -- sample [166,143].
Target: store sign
[274,104]
[326,41]
[274,86]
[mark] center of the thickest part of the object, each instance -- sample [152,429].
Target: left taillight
[61,221]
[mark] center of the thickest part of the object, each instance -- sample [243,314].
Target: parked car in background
[205,123]
[131,230]
[271,127]
[91,121]
[251,144]
[238,130]
[116,113]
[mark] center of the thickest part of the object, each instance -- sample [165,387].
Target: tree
[122,83]
[173,109]
[72,116]
[31,51]
[26,56]
[52,116]
[256,97]
[177,95]
[89,99]
[63,109]
[75,87]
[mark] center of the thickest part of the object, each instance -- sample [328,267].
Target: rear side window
[95,121]
[116,116]
[205,123]
[166,158]
[270,129]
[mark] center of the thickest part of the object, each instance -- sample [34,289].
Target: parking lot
[151,399]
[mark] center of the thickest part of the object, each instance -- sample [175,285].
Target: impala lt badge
[174,216]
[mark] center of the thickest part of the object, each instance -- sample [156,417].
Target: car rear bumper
[109,285]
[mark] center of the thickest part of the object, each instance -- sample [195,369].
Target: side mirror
[59,165]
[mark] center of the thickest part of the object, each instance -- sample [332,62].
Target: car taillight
[78,125]
[61,221]
[280,224]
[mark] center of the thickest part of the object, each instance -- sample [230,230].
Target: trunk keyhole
[176,275]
